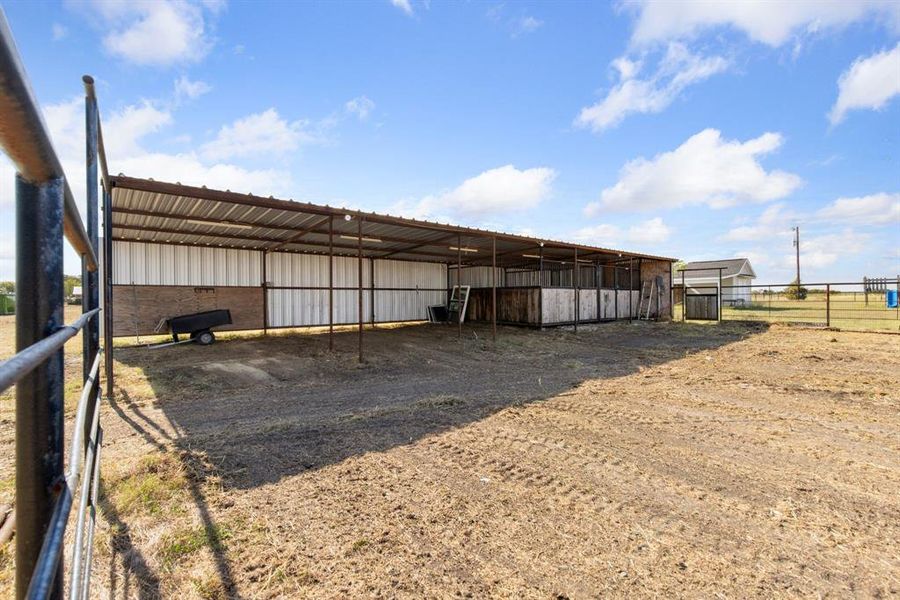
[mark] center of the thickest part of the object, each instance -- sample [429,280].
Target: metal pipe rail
[84,465]
[46,214]
[24,138]
[24,362]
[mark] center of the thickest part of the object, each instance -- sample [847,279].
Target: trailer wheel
[204,338]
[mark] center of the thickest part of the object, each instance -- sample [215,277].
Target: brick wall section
[138,308]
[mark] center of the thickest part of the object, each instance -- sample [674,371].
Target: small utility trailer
[197,325]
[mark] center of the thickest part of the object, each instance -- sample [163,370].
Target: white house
[703,277]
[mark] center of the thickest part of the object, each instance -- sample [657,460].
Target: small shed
[701,275]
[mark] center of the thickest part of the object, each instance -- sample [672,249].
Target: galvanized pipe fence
[840,304]
[46,213]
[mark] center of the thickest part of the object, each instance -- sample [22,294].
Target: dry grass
[645,460]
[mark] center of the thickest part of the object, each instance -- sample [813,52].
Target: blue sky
[689,129]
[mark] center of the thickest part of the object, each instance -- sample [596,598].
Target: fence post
[39,395]
[719,299]
[827,305]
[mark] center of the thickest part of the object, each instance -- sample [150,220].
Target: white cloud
[869,83]
[525,25]
[360,106]
[492,192]
[826,250]
[775,220]
[125,132]
[59,32]
[874,209]
[771,23]
[190,90]
[403,5]
[156,32]
[602,235]
[678,69]
[705,169]
[261,133]
[652,231]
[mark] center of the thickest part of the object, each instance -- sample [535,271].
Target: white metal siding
[296,308]
[139,263]
[477,276]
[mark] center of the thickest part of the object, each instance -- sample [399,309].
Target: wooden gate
[702,307]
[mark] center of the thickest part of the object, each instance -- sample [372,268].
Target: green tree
[795,291]
[69,284]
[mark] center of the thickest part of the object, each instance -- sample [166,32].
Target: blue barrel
[891,298]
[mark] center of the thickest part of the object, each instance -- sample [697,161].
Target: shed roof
[703,269]
[171,213]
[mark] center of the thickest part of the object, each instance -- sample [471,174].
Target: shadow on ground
[265,408]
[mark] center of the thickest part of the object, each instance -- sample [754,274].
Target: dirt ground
[627,460]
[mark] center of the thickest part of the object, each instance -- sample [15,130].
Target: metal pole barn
[40,393]
[494,288]
[359,282]
[331,282]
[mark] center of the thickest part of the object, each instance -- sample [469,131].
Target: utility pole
[797,246]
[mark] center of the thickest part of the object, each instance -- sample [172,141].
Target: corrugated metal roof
[703,269]
[157,212]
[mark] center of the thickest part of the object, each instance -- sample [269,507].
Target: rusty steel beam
[442,240]
[250,238]
[304,207]
[296,238]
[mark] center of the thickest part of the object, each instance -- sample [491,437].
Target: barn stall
[276,264]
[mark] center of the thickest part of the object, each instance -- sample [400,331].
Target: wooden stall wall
[514,305]
[558,305]
[139,308]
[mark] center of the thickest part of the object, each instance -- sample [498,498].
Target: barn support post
[494,289]
[372,292]
[331,283]
[575,286]
[265,292]
[459,285]
[671,295]
[683,297]
[39,394]
[597,273]
[541,264]
[616,290]
[108,349]
[630,289]
[359,281]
